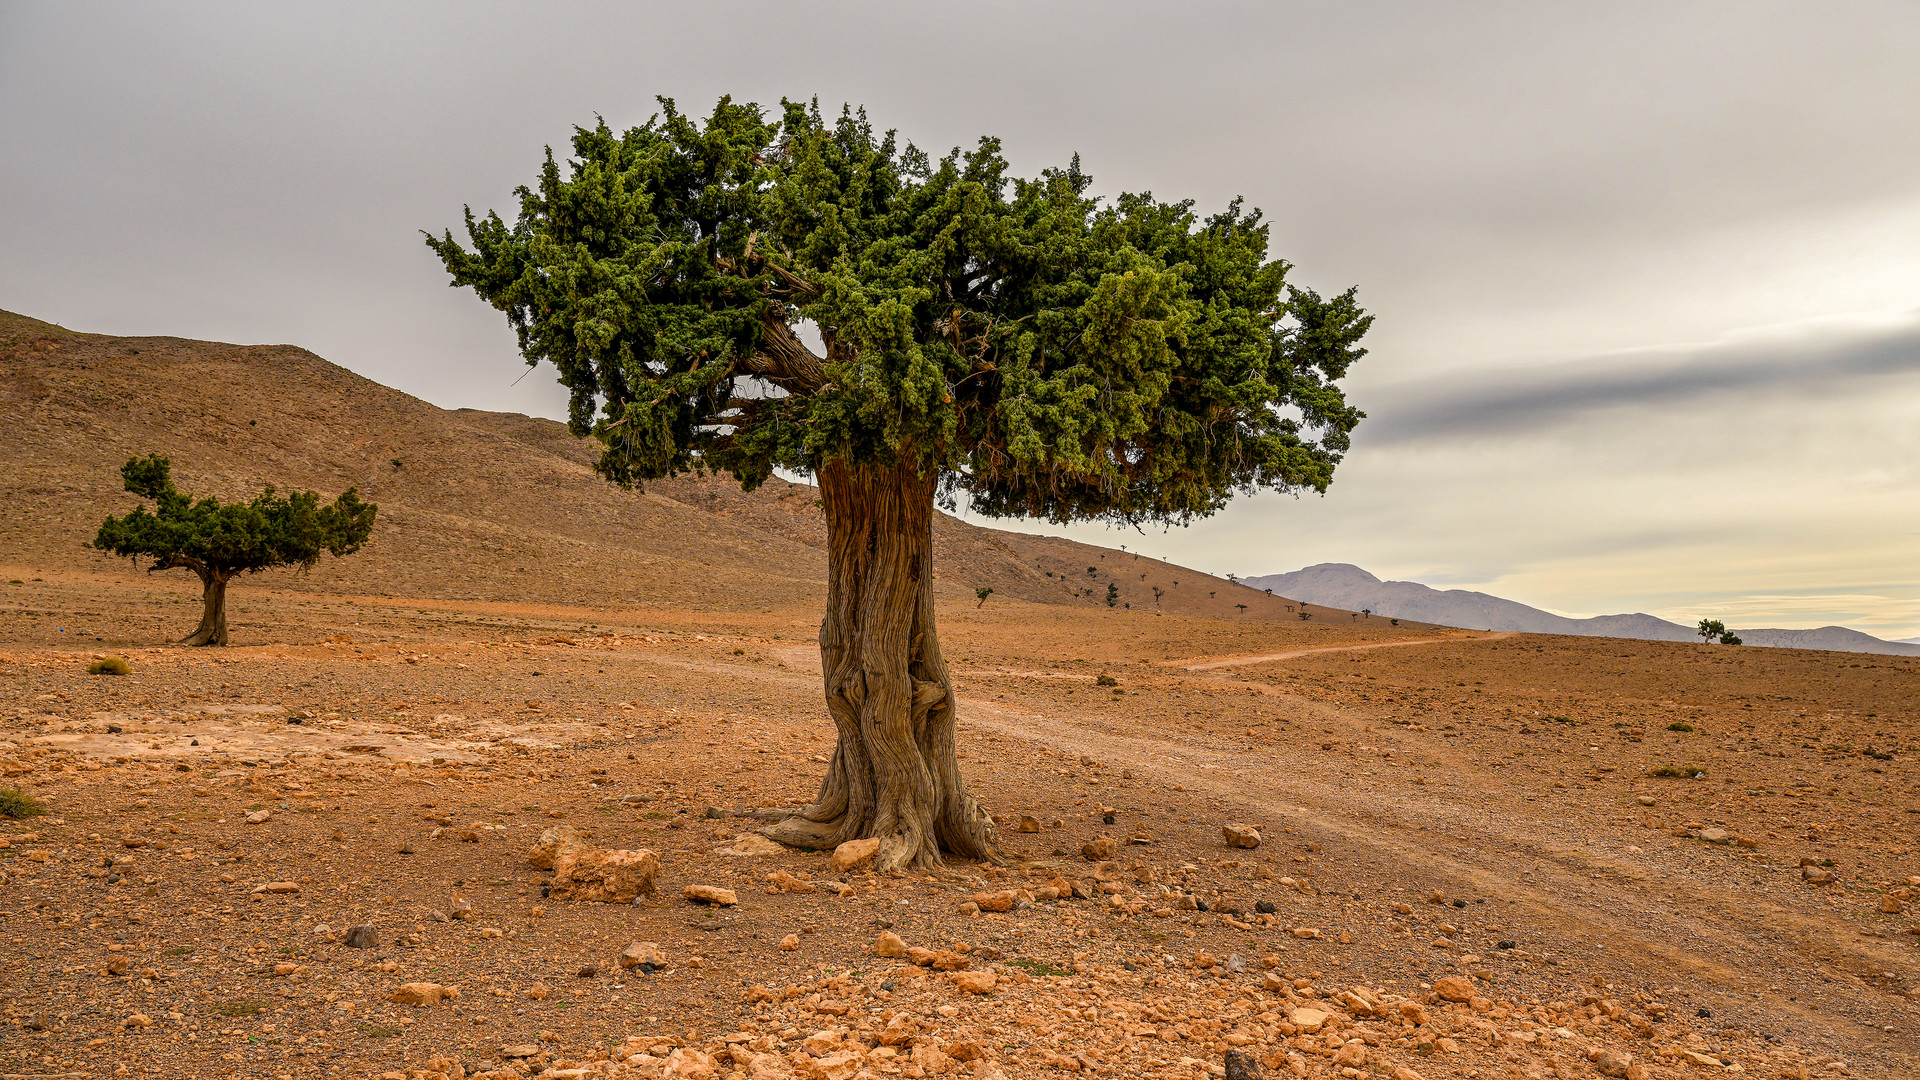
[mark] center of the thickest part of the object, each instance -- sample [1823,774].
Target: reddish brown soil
[661,647]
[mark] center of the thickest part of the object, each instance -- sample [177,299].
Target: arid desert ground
[1480,855]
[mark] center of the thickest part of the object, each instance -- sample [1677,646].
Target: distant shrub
[111,665]
[15,803]
[1107,680]
[1688,771]
[1679,725]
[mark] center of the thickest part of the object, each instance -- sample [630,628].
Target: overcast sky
[1646,276]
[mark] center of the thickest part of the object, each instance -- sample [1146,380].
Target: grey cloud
[1517,401]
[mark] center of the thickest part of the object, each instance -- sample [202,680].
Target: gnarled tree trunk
[213,616]
[894,774]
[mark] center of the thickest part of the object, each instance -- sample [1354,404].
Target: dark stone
[114,729]
[887,985]
[113,879]
[714,813]
[1108,818]
[587,972]
[1242,1066]
[1265,907]
[195,742]
[1202,905]
[1459,903]
[1704,1014]
[296,720]
[361,937]
[1506,945]
[1129,965]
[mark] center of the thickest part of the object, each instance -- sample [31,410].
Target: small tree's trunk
[895,774]
[213,616]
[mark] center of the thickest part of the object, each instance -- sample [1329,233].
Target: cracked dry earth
[1467,866]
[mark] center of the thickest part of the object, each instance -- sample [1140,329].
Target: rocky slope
[474,506]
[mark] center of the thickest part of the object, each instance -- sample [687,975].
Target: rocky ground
[1469,863]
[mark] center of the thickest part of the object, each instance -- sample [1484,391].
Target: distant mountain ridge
[1343,585]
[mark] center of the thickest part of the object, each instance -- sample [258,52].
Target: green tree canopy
[765,291]
[220,540]
[1048,353]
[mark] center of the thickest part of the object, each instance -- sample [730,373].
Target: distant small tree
[1367,611]
[982,592]
[1709,629]
[1728,637]
[1158,593]
[1242,607]
[218,541]
[1113,594]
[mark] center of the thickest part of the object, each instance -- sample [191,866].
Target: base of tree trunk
[213,617]
[895,773]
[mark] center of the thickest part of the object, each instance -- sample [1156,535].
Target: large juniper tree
[218,541]
[1016,342]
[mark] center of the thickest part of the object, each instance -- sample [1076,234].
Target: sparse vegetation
[1678,772]
[1039,967]
[1679,725]
[1711,630]
[15,803]
[981,593]
[1106,680]
[109,665]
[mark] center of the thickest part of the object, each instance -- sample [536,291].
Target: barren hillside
[473,505]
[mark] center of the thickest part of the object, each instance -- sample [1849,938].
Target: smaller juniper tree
[218,541]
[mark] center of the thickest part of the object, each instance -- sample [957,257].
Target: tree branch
[783,358]
[171,562]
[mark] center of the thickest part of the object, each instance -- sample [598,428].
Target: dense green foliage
[223,539]
[1044,352]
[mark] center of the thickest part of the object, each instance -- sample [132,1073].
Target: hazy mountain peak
[1343,585]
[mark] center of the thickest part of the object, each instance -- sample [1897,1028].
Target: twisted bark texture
[213,615]
[895,774]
